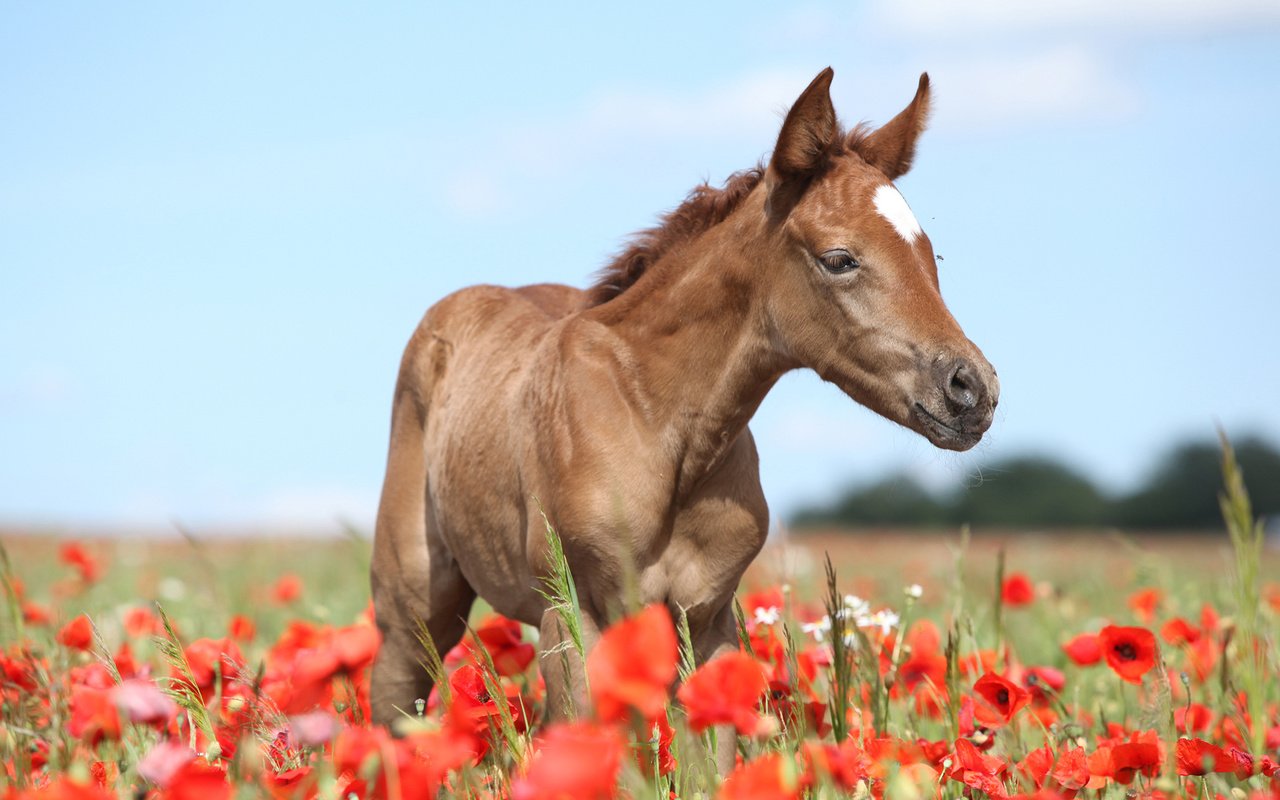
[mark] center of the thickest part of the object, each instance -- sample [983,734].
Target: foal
[622,411]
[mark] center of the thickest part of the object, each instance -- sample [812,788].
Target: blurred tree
[1182,493]
[1029,490]
[1040,491]
[898,500]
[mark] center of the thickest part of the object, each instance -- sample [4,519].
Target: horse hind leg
[414,578]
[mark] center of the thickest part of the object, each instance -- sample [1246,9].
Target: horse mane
[702,209]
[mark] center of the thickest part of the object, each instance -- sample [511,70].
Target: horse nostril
[962,391]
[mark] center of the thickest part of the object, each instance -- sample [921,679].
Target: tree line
[1180,494]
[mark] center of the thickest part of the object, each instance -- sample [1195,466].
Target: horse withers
[621,411]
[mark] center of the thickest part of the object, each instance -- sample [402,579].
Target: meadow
[991,664]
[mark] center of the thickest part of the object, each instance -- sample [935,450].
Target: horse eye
[838,261]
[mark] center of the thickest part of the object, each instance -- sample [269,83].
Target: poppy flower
[725,690]
[1123,761]
[104,773]
[211,658]
[65,788]
[1129,651]
[35,614]
[1192,718]
[197,780]
[579,760]
[766,778]
[141,621]
[1202,658]
[1003,699]
[1178,631]
[1144,603]
[633,666]
[504,639]
[1042,682]
[975,769]
[1198,757]
[74,554]
[1017,591]
[77,634]
[242,628]
[845,764]
[1084,649]
[287,589]
[94,716]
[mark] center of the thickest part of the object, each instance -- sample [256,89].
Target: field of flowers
[233,669]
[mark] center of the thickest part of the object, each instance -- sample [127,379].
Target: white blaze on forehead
[893,207]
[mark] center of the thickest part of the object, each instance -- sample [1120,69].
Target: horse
[620,412]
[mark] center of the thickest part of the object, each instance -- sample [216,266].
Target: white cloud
[952,20]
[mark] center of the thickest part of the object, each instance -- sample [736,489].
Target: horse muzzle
[958,407]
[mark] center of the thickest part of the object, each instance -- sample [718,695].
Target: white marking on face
[893,207]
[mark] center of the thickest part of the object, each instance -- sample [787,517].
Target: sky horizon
[219,226]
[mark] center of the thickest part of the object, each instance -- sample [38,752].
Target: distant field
[230,574]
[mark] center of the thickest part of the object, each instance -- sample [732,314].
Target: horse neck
[697,337]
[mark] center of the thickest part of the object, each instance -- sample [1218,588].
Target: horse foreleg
[720,637]
[563,668]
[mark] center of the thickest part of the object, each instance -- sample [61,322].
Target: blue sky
[219,225]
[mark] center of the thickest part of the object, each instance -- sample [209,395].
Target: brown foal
[622,411]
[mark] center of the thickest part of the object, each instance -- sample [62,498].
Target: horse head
[854,291]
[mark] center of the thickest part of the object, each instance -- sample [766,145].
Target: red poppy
[766,778]
[664,759]
[435,755]
[94,716]
[287,589]
[35,614]
[504,639]
[77,634]
[197,780]
[1178,631]
[242,628]
[1017,590]
[578,761]
[633,666]
[1130,651]
[1144,603]
[1121,762]
[141,621]
[1003,699]
[1192,718]
[1202,658]
[1198,757]
[1042,682]
[926,664]
[65,788]
[1084,649]
[982,772]
[104,773]
[845,764]
[211,658]
[725,690]
[74,554]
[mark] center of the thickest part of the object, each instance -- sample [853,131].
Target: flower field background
[909,666]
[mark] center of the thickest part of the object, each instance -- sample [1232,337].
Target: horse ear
[808,131]
[892,148]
